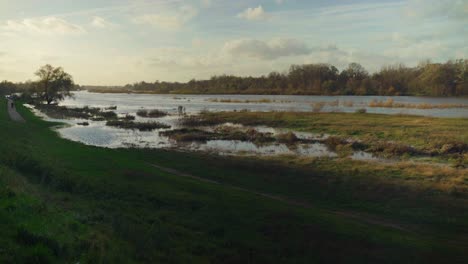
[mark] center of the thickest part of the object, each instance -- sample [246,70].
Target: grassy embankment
[63,201]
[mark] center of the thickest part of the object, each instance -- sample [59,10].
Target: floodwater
[98,134]
[130,103]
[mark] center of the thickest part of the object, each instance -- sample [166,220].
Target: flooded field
[97,133]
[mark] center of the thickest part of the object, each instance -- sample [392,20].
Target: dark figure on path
[12,105]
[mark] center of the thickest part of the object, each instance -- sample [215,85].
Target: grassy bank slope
[73,202]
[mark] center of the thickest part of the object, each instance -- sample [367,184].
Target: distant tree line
[426,79]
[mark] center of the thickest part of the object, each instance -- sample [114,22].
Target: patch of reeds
[287,138]
[128,118]
[248,101]
[318,106]
[151,113]
[188,135]
[390,103]
[63,112]
[142,126]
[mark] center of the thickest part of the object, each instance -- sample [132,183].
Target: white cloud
[45,25]
[266,50]
[99,22]
[168,21]
[256,13]
[279,2]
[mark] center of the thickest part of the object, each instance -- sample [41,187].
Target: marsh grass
[318,106]
[390,103]
[155,113]
[127,118]
[247,101]
[398,136]
[142,126]
[288,138]
[62,112]
[220,133]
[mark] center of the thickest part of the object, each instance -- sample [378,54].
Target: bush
[361,111]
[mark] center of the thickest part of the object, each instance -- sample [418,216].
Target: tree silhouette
[54,84]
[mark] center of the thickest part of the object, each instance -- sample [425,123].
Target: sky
[104,42]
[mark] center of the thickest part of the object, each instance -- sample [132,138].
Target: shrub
[361,111]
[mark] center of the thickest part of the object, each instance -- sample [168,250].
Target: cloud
[168,21]
[45,25]
[266,50]
[279,2]
[101,23]
[256,13]
[452,9]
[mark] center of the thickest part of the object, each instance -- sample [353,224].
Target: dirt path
[348,214]
[14,115]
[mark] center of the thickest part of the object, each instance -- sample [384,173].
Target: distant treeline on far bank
[426,79]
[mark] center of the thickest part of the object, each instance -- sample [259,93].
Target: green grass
[111,206]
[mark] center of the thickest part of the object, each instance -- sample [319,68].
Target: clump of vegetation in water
[390,103]
[317,107]
[83,124]
[151,113]
[221,133]
[143,126]
[98,118]
[128,118]
[188,135]
[287,138]
[62,112]
[250,135]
